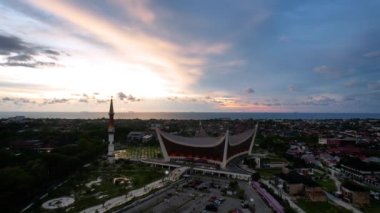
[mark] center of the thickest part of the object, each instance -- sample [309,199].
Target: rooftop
[354,187]
[207,141]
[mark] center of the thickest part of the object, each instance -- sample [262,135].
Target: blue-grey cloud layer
[288,55]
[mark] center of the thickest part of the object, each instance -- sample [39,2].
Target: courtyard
[95,185]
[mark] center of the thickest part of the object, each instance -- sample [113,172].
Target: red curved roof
[207,141]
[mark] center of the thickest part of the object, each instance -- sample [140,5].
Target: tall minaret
[111,132]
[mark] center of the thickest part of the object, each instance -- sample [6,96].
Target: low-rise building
[295,184]
[135,137]
[354,193]
[322,141]
[355,169]
[328,160]
[290,182]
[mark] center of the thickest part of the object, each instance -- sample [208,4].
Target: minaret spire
[111,127]
[111,132]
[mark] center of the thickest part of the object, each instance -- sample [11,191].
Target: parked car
[211,207]
[245,204]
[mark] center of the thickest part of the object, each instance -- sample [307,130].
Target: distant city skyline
[190,56]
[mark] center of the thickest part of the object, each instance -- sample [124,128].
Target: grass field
[139,152]
[328,185]
[319,207]
[268,172]
[374,207]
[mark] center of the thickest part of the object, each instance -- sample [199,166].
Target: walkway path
[337,182]
[284,197]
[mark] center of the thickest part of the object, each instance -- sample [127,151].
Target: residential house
[354,193]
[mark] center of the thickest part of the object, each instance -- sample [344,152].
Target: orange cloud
[209,49]
[138,9]
[239,106]
[133,46]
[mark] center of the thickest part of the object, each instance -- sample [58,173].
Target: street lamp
[166,174]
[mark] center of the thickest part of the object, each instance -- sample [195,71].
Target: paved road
[261,206]
[233,166]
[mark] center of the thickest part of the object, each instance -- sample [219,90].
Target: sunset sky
[180,55]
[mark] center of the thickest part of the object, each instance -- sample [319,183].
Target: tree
[250,162]
[233,184]
[256,176]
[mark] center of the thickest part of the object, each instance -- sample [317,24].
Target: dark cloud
[175,98]
[52,52]
[18,101]
[129,98]
[268,102]
[349,98]
[18,58]
[271,100]
[323,69]
[101,101]
[318,100]
[56,101]
[192,99]
[374,85]
[271,104]
[34,64]
[82,100]
[249,91]
[12,44]
[372,54]
[293,88]
[132,98]
[7,99]
[121,96]
[85,98]
[353,84]
[17,52]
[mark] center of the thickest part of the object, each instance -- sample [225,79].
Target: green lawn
[319,207]
[328,185]
[373,208]
[268,172]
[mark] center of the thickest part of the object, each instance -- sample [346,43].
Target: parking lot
[195,194]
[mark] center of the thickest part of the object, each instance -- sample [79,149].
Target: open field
[328,185]
[373,208]
[318,207]
[267,173]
